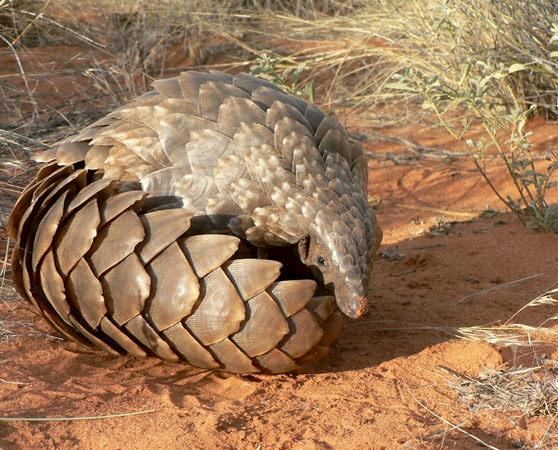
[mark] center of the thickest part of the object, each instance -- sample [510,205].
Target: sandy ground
[386,385]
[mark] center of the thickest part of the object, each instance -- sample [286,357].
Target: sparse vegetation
[506,136]
[532,391]
[288,79]
[492,63]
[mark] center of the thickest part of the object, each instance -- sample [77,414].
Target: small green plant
[442,227]
[289,79]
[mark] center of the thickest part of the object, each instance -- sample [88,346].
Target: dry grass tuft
[511,334]
[532,391]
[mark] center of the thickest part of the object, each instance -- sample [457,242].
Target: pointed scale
[252,276]
[96,156]
[212,94]
[161,229]
[305,334]
[191,81]
[22,204]
[174,134]
[279,110]
[284,128]
[292,295]
[336,141]
[46,170]
[75,180]
[267,96]
[115,241]
[236,110]
[114,206]
[250,135]
[75,237]
[41,191]
[323,307]
[145,143]
[190,348]
[92,190]
[328,123]
[45,156]
[142,331]
[196,191]
[52,180]
[276,361]
[47,229]
[175,288]
[121,338]
[220,311]
[264,328]
[169,87]
[53,287]
[314,115]
[204,150]
[206,252]
[163,181]
[71,152]
[86,293]
[126,288]
[92,337]
[232,357]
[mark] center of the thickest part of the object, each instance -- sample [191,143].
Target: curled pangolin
[216,220]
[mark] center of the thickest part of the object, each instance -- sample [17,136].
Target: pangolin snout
[356,307]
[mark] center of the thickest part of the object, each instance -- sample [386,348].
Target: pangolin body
[161,228]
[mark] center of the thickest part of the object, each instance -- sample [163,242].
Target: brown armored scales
[215,220]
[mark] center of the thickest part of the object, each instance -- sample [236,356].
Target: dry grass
[351,49]
[520,390]
[125,45]
[526,386]
[521,393]
[510,334]
[531,391]
[467,62]
[456,41]
[76,418]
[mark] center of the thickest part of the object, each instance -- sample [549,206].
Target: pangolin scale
[216,220]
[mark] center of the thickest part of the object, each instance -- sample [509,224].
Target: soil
[443,265]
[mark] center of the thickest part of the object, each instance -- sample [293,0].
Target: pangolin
[195,223]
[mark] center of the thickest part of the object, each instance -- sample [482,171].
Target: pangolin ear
[304,249]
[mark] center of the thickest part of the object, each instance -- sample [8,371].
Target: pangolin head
[342,255]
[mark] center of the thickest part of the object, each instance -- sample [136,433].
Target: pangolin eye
[321,261]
